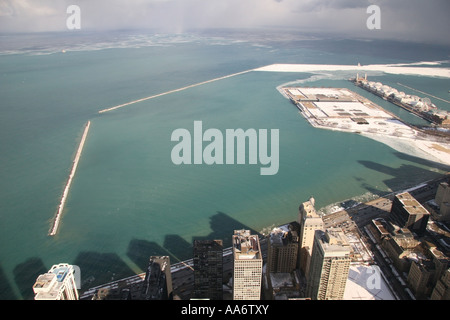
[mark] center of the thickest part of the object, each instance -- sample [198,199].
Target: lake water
[128,200]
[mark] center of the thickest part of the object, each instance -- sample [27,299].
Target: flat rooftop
[333,242]
[338,109]
[246,246]
[365,282]
[344,110]
[411,204]
[48,285]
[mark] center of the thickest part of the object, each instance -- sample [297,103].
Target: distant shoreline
[386,68]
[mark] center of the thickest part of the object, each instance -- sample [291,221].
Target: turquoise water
[128,200]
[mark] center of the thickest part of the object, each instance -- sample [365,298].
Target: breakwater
[57,218]
[171,91]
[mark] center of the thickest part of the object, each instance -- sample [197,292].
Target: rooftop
[280,279]
[47,285]
[365,282]
[282,235]
[308,208]
[246,246]
[336,237]
[333,241]
[411,204]
[379,225]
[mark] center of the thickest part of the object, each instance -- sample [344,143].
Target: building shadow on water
[6,291]
[422,161]
[223,227]
[139,251]
[25,275]
[405,176]
[101,268]
[177,248]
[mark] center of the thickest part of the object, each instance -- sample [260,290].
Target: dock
[343,110]
[58,215]
[421,107]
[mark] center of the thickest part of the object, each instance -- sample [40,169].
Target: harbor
[343,110]
[340,109]
[421,107]
[57,219]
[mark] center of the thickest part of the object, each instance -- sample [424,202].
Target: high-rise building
[247,266]
[442,289]
[208,269]
[420,277]
[443,201]
[330,264]
[57,284]
[309,222]
[157,283]
[282,249]
[442,193]
[409,213]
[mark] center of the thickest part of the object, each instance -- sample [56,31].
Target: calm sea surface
[128,200]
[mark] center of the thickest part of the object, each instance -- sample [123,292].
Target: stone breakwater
[57,218]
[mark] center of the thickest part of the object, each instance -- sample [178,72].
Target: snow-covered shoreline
[405,69]
[398,136]
[429,150]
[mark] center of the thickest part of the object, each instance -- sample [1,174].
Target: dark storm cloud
[416,20]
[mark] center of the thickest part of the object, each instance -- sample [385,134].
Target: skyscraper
[157,284]
[208,269]
[330,263]
[409,213]
[282,250]
[247,266]
[442,289]
[57,284]
[443,201]
[309,222]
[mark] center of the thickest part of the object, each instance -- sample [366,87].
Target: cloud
[30,16]
[18,8]
[401,19]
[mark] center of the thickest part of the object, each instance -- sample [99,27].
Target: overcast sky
[417,20]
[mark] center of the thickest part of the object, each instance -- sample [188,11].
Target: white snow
[365,282]
[386,68]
